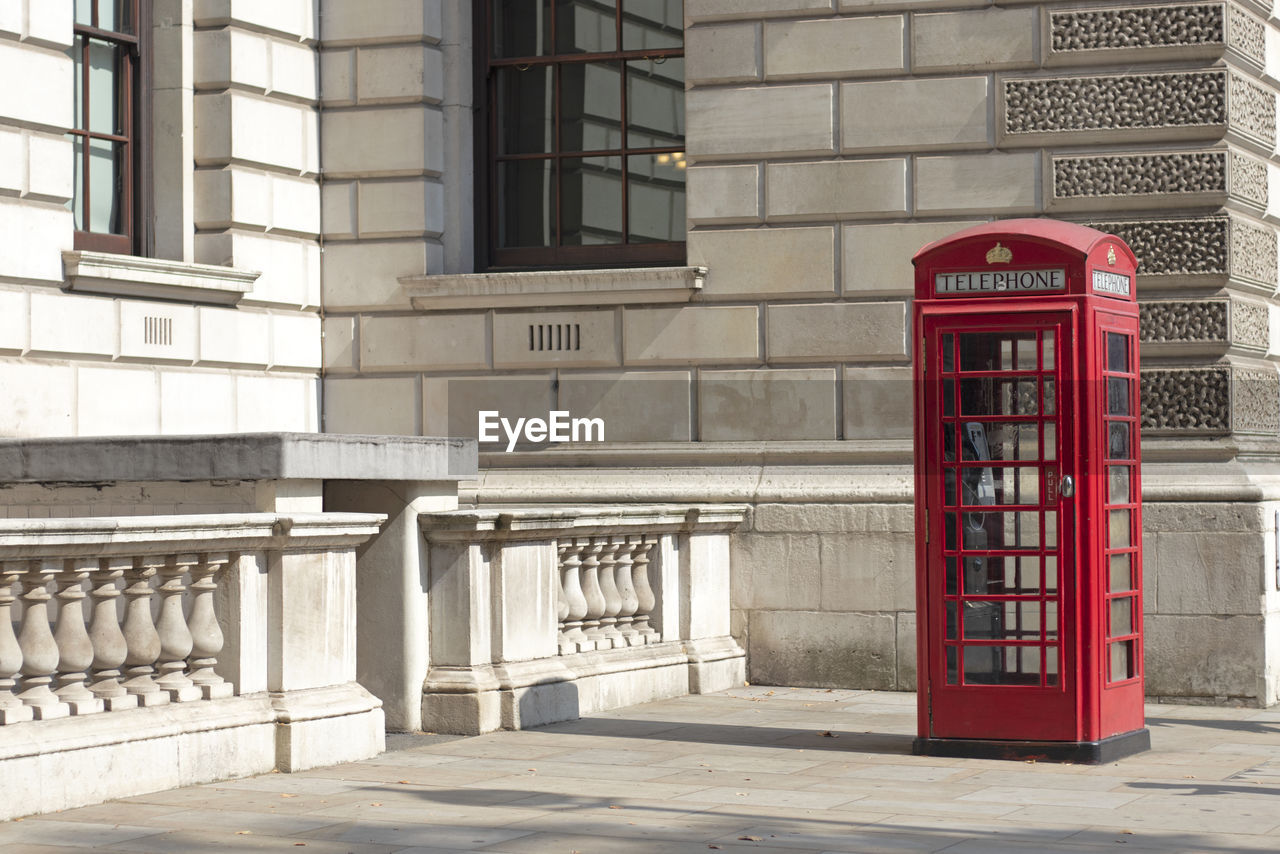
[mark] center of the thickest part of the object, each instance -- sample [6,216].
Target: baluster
[12,710]
[643,548]
[562,602]
[612,599]
[140,633]
[206,634]
[595,597]
[109,647]
[75,650]
[175,637]
[573,638]
[39,649]
[626,591]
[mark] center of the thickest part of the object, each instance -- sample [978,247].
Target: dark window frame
[489,256]
[133,74]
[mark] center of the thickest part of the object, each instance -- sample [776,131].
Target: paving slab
[760,769]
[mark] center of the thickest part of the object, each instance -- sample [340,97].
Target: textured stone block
[1148,180]
[13,321]
[287,17]
[45,96]
[868,572]
[339,344]
[722,54]
[877,258]
[398,74]
[834,518]
[783,261]
[872,331]
[295,341]
[338,77]
[234,337]
[39,400]
[794,120]
[192,403]
[704,10]
[389,141]
[570,338]
[369,405]
[877,403]
[117,401]
[403,208]
[727,194]
[48,22]
[833,47]
[451,404]
[1181,31]
[290,266]
[639,406]
[293,70]
[65,323]
[364,274]
[157,331]
[978,183]
[822,649]
[794,404]
[974,41]
[339,204]
[49,172]
[915,114]
[1222,664]
[777,571]
[669,336]
[43,231]
[267,404]
[1219,572]
[423,343]
[835,189]
[370,21]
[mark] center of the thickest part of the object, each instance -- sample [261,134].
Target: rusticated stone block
[1183,322]
[1139,177]
[1210,248]
[1253,252]
[1195,400]
[1255,401]
[1250,324]
[822,649]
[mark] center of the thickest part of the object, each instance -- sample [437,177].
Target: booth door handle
[1067,487]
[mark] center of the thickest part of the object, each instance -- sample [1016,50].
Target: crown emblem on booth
[999,254]
[1111,255]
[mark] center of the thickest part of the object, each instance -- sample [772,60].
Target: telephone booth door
[1001,552]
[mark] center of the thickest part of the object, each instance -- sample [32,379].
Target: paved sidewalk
[751,770]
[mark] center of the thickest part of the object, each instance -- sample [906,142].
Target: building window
[584,154]
[109,111]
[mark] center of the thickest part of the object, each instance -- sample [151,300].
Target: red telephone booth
[1028,509]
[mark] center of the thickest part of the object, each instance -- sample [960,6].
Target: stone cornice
[126,275]
[547,288]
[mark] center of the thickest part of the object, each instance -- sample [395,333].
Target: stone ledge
[533,522]
[546,288]
[236,456]
[126,275]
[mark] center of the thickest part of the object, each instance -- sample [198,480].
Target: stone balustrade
[144,652]
[544,614]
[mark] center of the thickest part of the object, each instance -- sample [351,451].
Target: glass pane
[586,27]
[948,397]
[987,396]
[1118,440]
[1050,529]
[655,198]
[1046,350]
[77,197]
[521,29]
[949,441]
[1051,620]
[527,203]
[590,107]
[1002,620]
[1019,485]
[949,531]
[1121,622]
[1002,530]
[1118,396]
[1050,441]
[1050,401]
[76,52]
[952,677]
[948,353]
[1119,529]
[104,186]
[591,201]
[652,24]
[989,351]
[998,575]
[1121,572]
[1118,484]
[1050,573]
[655,102]
[1121,660]
[103,101]
[1001,665]
[1051,665]
[526,106]
[1117,352]
[949,486]
[950,583]
[84,12]
[952,632]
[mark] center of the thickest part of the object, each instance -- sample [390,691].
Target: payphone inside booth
[1027,494]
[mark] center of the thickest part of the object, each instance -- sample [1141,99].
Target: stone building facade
[315,257]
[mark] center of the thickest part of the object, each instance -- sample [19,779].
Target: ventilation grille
[554,336]
[157,330]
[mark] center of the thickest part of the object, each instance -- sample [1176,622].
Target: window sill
[127,275]
[547,288]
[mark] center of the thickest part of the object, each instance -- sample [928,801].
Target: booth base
[1083,752]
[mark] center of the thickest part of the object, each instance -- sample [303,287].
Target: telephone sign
[1028,502]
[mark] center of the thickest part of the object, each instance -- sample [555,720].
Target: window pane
[103,100]
[948,352]
[1012,485]
[1119,529]
[104,186]
[1118,396]
[1001,665]
[1047,350]
[76,52]
[1118,440]
[652,24]
[115,15]
[991,351]
[1117,352]
[1122,660]
[655,103]
[998,397]
[590,108]
[1118,484]
[1121,622]
[526,101]
[591,201]
[521,29]
[526,203]
[586,26]
[1121,572]
[77,197]
[655,198]
[1050,441]
[84,12]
